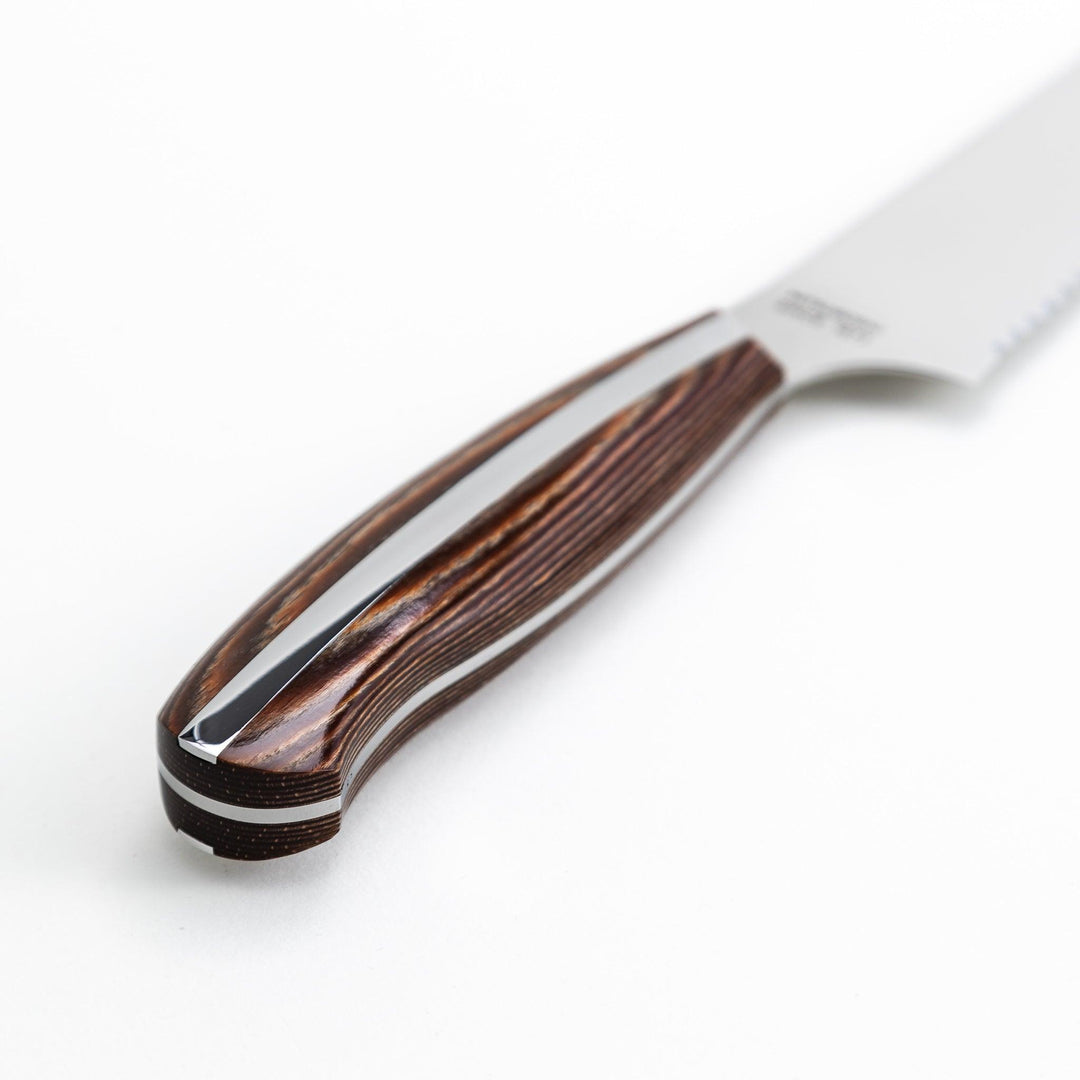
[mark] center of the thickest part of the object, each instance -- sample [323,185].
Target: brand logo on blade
[817,312]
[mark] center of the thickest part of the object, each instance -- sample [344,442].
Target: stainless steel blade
[952,275]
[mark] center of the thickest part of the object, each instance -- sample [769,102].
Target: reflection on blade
[954,273]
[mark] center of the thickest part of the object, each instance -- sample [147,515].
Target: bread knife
[447,580]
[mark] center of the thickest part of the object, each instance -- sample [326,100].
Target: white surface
[796,797]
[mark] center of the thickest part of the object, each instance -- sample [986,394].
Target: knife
[447,580]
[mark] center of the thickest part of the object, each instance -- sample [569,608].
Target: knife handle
[441,585]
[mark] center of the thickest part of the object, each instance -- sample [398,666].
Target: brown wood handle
[449,620]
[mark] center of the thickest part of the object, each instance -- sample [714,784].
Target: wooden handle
[441,585]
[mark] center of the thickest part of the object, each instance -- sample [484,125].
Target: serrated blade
[952,275]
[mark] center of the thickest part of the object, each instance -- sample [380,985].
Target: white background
[797,796]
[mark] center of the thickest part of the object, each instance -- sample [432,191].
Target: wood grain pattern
[238,840]
[272,612]
[508,564]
